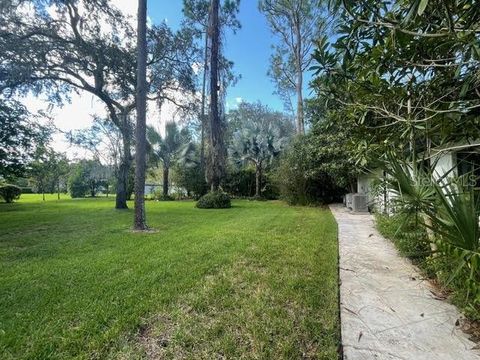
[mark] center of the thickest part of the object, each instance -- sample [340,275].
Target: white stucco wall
[377,200]
[365,185]
[444,162]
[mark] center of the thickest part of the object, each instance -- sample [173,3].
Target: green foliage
[214,200]
[409,237]
[403,74]
[190,177]
[158,195]
[102,139]
[170,149]
[240,182]
[316,168]
[290,176]
[167,149]
[78,182]
[448,210]
[9,192]
[95,52]
[19,138]
[297,24]
[48,169]
[86,177]
[258,137]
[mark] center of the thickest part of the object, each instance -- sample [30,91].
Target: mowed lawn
[257,281]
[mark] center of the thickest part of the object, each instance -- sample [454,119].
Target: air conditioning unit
[348,200]
[359,203]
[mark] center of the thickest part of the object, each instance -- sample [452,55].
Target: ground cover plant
[258,280]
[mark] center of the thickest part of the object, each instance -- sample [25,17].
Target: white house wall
[365,185]
[444,163]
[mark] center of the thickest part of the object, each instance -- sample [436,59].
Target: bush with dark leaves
[214,200]
[10,192]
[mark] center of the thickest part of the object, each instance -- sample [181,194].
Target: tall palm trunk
[141,127]
[258,180]
[165,180]
[215,125]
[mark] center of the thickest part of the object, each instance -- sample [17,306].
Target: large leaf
[422,6]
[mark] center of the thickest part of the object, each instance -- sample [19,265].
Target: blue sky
[249,49]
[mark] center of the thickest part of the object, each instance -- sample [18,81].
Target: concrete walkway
[387,310]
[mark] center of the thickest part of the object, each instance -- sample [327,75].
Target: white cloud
[128,7]
[238,100]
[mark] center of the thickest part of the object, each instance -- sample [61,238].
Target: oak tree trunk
[141,126]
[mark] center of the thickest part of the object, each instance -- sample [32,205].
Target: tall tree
[55,47]
[298,24]
[197,14]
[217,146]
[102,139]
[140,130]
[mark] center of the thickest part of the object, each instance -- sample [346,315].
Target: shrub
[26,190]
[409,237]
[10,192]
[214,200]
[191,177]
[161,197]
[239,182]
[302,181]
[77,187]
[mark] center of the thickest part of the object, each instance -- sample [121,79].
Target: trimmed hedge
[214,200]
[10,192]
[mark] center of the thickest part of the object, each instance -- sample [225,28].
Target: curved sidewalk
[387,310]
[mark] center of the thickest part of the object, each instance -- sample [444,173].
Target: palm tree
[258,140]
[175,145]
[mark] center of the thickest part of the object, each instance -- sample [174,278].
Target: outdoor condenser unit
[348,200]
[359,203]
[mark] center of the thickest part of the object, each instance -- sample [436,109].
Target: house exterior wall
[365,185]
[443,163]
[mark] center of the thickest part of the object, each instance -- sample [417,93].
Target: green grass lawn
[257,281]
